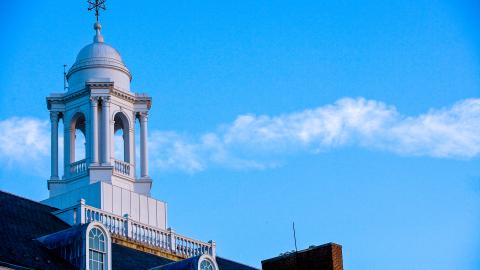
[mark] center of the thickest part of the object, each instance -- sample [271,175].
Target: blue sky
[358,121]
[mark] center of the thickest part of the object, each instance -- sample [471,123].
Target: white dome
[98,62]
[98,50]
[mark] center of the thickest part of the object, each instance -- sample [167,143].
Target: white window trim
[207,257]
[108,244]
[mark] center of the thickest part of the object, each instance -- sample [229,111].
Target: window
[206,265]
[97,249]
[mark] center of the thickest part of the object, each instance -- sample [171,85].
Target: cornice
[87,91]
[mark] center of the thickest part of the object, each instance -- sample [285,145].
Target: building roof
[64,237]
[23,221]
[187,264]
[134,259]
[226,264]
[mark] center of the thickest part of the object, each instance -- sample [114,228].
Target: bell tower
[98,105]
[99,114]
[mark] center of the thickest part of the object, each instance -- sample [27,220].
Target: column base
[144,179]
[143,185]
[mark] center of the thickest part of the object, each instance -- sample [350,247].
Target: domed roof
[99,55]
[98,50]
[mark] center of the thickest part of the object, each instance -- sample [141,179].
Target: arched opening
[119,151]
[79,145]
[121,138]
[77,138]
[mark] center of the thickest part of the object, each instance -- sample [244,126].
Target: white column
[66,146]
[143,144]
[54,145]
[106,129]
[94,128]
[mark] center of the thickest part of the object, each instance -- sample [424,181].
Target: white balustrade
[115,224]
[167,240]
[122,167]
[78,167]
[189,247]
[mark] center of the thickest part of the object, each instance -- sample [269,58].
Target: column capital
[142,116]
[54,115]
[106,100]
[94,100]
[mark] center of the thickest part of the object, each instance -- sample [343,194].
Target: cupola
[96,62]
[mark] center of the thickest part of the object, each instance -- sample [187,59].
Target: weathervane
[96,5]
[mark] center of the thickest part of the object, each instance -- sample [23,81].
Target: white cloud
[170,150]
[25,143]
[257,142]
[261,141]
[24,139]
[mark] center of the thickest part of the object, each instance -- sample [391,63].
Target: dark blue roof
[23,221]
[187,264]
[63,237]
[226,264]
[192,263]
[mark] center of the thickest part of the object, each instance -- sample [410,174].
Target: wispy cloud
[24,139]
[262,141]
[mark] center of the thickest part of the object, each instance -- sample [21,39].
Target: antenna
[295,237]
[65,83]
[296,249]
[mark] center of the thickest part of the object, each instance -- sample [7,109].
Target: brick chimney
[324,257]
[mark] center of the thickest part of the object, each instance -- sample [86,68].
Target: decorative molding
[135,98]
[94,100]
[99,85]
[106,101]
[123,241]
[54,116]
[143,116]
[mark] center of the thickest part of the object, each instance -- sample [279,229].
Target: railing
[167,240]
[190,247]
[78,167]
[122,167]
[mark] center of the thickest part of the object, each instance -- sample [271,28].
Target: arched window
[97,251]
[206,265]
[121,138]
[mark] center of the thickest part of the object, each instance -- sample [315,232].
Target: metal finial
[96,5]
